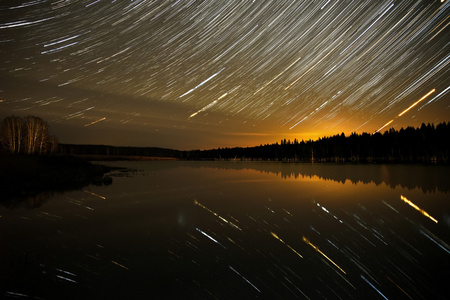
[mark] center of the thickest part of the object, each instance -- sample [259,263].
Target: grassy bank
[22,176]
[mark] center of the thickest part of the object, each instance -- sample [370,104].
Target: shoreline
[24,176]
[94,157]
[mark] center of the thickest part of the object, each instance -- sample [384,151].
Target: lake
[242,230]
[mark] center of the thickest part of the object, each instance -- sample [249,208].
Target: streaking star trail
[94,122]
[208,74]
[417,102]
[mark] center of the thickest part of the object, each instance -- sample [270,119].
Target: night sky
[205,74]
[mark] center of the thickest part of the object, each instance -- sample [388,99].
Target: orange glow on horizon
[267,136]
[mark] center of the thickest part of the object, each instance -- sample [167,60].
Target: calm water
[221,230]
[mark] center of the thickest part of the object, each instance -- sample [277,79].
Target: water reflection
[234,230]
[32,200]
[429,178]
[29,201]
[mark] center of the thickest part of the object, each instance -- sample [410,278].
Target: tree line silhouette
[424,144]
[427,143]
[106,152]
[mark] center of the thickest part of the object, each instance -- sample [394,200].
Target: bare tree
[37,136]
[29,135]
[43,138]
[32,134]
[11,133]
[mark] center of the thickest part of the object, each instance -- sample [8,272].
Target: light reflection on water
[245,230]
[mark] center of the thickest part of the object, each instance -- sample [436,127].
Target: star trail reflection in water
[212,230]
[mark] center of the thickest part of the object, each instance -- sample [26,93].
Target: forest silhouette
[425,144]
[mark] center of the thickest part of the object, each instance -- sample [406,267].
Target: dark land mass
[28,180]
[104,152]
[426,144]
[27,176]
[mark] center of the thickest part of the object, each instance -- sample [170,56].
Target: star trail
[203,74]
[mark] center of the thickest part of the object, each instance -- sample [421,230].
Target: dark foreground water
[224,230]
